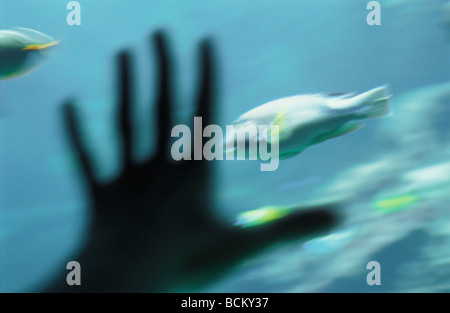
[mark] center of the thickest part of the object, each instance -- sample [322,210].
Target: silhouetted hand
[153,227]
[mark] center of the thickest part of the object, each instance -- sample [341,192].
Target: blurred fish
[396,203]
[22,50]
[271,213]
[306,120]
[261,216]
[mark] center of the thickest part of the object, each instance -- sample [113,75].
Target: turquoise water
[266,49]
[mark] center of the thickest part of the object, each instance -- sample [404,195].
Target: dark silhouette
[153,227]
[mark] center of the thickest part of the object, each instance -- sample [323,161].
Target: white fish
[305,120]
[22,51]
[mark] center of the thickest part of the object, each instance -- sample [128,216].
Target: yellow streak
[41,47]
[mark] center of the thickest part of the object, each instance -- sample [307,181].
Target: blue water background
[267,49]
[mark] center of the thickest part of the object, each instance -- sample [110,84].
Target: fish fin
[377,108]
[281,120]
[346,129]
[40,47]
[376,102]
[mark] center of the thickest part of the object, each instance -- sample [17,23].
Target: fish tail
[374,103]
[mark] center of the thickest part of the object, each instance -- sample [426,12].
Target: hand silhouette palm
[153,226]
